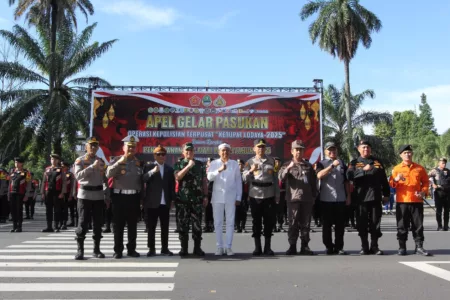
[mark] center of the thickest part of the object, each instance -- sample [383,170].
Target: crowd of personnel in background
[127,190]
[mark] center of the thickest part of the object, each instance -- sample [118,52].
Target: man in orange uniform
[411,183]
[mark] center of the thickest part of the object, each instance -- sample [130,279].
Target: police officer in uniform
[299,178]
[90,174]
[52,191]
[127,194]
[29,205]
[241,210]
[264,193]
[19,189]
[192,192]
[68,193]
[371,188]
[4,184]
[440,177]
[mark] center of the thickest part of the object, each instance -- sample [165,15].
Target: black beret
[365,142]
[19,159]
[403,148]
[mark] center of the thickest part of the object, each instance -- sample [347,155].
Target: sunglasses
[160,154]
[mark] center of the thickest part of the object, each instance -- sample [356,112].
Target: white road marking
[68,250]
[86,264]
[425,266]
[85,242]
[85,274]
[86,287]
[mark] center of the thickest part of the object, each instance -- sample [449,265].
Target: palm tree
[58,114]
[340,26]
[51,14]
[335,125]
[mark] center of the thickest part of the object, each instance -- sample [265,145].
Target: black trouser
[442,202]
[281,209]
[369,220]
[53,204]
[299,215]
[108,215]
[263,211]
[407,213]
[87,210]
[317,213]
[240,216]
[350,215]
[209,218]
[333,213]
[4,207]
[29,207]
[161,213]
[17,209]
[126,210]
[65,207]
[72,207]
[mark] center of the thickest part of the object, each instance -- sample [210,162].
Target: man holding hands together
[226,195]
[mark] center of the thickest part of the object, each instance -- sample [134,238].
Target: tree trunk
[54,26]
[348,112]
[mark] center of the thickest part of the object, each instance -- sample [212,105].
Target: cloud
[220,22]
[4,21]
[437,97]
[141,14]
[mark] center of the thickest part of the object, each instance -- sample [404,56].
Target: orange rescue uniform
[416,180]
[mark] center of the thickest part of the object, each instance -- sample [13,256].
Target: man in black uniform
[69,192]
[370,181]
[19,189]
[440,176]
[4,183]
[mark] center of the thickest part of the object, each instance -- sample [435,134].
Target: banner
[206,119]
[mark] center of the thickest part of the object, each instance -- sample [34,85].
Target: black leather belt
[91,188]
[262,184]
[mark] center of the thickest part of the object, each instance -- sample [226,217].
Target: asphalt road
[35,265]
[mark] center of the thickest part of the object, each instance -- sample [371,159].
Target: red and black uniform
[19,187]
[52,189]
[4,186]
[29,205]
[68,198]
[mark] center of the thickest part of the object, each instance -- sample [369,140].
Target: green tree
[426,120]
[339,28]
[65,111]
[383,141]
[335,123]
[53,14]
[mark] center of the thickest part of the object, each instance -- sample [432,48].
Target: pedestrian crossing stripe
[87,264]
[86,287]
[86,274]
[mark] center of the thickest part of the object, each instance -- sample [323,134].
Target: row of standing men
[130,186]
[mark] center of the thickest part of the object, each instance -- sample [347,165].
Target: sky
[265,43]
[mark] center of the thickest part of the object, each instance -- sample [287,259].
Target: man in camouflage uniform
[4,183]
[264,193]
[90,174]
[192,192]
[127,195]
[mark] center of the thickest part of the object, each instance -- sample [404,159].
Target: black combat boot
[97,253]
[374,248]
[304,250]
[108,228]
[292,250]
[49,228]
[72,222]
[184,248]
[402,248]
[258,248]
[420,250]
[197,249]
[57,227]
[364,247]
[80,251]
[14,227]
[64,225]
[19,227]
[267,246]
